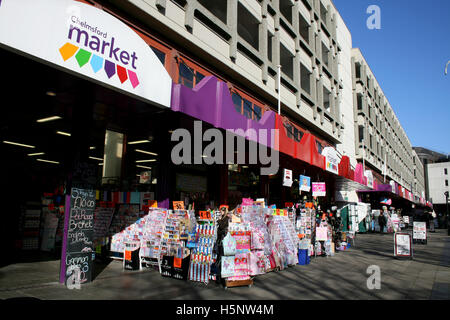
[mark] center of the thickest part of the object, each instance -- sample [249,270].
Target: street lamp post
[448,220]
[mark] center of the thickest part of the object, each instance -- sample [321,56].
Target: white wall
[436,181]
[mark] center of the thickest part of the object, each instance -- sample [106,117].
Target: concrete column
[297,77]
[191,5]
[232,20]
[263,47]
[161,4]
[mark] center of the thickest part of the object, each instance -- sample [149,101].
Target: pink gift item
[257,240]
[241,264]
[257,264]
[227,267]
[229,245]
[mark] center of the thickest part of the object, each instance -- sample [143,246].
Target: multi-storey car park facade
[381,140]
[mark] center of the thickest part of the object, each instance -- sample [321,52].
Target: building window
[217,7]
[286,9]
[161,55]
[269,45]
[359,102]
[326,99]
[293,132]
[305,78]
[361,133]
[287,61]
[248,26]
[246,107]
[445,170]
[188,74]
[358,70]
[325,52]
[319,147]
[446,183]
[304,28]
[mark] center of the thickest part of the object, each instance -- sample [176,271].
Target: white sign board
[406,219]
[86,41]
[368,174]
[331,160]
[402,245]
[287,178]
[419,230]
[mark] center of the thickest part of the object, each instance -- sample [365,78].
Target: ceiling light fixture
[48,119]
[143,167]
[36,154]
[49,161]
[139,141]
[50,93]
[92,148]
[63,133]
[19,144]
[94,158]
[146,152]
[141,161]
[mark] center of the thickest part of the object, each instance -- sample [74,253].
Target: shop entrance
[52,122]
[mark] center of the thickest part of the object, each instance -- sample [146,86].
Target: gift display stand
[150,253]
[202,254]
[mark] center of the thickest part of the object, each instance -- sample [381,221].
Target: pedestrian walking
[381,222]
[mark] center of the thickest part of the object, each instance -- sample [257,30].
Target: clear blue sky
[408,57]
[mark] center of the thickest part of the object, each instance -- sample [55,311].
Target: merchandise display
[202,254]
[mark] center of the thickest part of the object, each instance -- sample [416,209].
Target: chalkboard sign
[80,231]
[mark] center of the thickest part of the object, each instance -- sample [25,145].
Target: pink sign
[247,201]
[319,189]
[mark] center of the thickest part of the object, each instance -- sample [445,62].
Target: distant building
[434,179]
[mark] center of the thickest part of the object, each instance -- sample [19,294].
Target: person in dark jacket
[382,222]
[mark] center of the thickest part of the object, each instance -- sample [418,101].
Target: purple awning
[210,101]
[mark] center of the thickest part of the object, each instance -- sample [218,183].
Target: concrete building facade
[244,41]
[380,138]
[427,157]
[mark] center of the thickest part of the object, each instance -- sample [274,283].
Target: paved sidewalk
[343,276]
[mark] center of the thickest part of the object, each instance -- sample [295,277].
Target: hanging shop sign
[368,174]
[331,160]
[287,178]
[402,245]
[86,41]
[419,230]
[319,189]
[305,183]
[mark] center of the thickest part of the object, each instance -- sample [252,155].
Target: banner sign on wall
[305,183]
[319,189]
[331,160]
[86,41]
[287,178]
[368,174]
